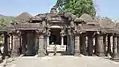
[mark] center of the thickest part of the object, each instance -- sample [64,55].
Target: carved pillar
[71,42]
[96,44]
[90,45]
[62,37]
[77,45]
[11,39]
[62,40]
[5,45]
[47,40]
[109,45]
[105,43]
[16,44]
[115,48]
[41,50]
[100,45]
[48,35]
[8,40]
[117,55]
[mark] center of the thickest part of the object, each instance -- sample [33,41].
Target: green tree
[4,21]
[77,7]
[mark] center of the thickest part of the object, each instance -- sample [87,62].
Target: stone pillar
[105,43]
[68,42]
[96,44]
[115,48]
[77,45]
[100,46]
[48,36]
[111,45]
[68,46]
[62,33]
[117,55]
[47,40]
[8,40]
[5,53]
[41,50]
[71,44]
[11,42]
[16,44]
[90,45]
[62,40]
[108,46]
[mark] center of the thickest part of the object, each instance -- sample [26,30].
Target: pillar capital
[40,31]
[16,33]
[62,33]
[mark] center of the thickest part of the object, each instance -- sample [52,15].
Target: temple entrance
[57,43]
[28,43]
[55,37]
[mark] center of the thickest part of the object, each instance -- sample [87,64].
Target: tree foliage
[77,7]
[5,20]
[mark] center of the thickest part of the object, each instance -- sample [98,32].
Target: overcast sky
[109,8]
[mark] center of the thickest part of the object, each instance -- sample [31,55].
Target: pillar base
[116,58]
[77,53]
[101,54]
[41,54]
[90,54]
[15,54]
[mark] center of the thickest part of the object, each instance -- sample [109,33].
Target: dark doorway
[55,37]
[28,43]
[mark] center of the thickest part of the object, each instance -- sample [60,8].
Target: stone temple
[63,33]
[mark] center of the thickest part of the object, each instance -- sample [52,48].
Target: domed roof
[25,16]
[86,17]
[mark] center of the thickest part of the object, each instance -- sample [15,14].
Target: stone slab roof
[23,17]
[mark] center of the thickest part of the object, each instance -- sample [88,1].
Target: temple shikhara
[61,33]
